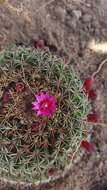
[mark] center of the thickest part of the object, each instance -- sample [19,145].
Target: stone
[77,14]
[72,23]
[87,18]
[60,13]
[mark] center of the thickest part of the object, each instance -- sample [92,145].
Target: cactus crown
[32,144]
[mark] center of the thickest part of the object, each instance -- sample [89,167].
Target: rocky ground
[75,29]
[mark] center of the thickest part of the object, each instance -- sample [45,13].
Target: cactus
[34,146]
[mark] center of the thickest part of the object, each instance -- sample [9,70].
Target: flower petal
[35,105]
[39,113]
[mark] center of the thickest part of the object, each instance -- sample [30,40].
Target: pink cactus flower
[45,104]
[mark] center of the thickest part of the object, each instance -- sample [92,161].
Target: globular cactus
[42,114]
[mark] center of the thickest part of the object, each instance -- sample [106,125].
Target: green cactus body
[32,147]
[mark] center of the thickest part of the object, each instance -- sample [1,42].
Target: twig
[99,68]
[42,7]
